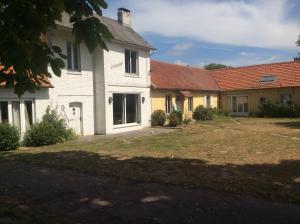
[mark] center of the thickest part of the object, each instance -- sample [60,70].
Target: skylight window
[268,78]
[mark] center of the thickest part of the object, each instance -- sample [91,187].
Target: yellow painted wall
[158,100]
[254,96]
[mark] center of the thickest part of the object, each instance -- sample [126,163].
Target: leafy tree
[298,44]
[23,28]
[213,66]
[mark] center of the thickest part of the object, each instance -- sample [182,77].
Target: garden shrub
[277,110]
[51,130]
[9,137]
[202,113]
[174,119]
[179,115]
[158,118]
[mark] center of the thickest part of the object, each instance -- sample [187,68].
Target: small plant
[9,137]
[202,113]
[187,120]
[51,130]
[158,118]
[179,115]
[173,118]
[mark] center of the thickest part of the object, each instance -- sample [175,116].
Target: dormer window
[131,62]
[268,78]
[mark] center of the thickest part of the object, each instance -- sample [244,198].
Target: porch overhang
[186,93]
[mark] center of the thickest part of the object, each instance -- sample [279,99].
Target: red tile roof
[177,77]
[40,80]
[248,77]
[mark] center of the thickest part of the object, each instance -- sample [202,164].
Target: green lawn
[244,156]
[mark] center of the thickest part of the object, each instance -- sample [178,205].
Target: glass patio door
[239,105]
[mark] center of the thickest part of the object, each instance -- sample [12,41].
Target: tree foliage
[23,23]
[213,66]
[298,44]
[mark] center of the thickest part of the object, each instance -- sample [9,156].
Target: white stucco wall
[74,86]
[117,81]
[102,74]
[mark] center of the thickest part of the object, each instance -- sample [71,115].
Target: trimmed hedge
[9,137]
[276,110]
[51,130]
[158,118]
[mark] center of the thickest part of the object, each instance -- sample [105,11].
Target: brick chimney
[124,17]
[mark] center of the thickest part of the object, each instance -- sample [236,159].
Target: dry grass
[249,156]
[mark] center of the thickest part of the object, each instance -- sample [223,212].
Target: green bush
[9,137]
[174,119]
[51,130]
[158,118]
[202,113]
[179,115]
[276,110]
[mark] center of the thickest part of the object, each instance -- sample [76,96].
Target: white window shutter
[204,101]
[212,102]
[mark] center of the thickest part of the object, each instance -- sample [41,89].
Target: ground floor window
[3,112]
[168,104]
[10,112]
[285,99]
[16,114]
[190,104]
[126,108]
[208,100]
[28,109]
[239,104]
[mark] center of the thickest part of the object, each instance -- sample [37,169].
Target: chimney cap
[124,9]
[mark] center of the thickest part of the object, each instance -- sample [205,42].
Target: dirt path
[68,197]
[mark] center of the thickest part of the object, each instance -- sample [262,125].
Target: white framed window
[19,113]
[4,117]
[73,57]
[190,104]
[239,104]
[286,99]
[207,101]
[168,104]
[126,109]
[131,62]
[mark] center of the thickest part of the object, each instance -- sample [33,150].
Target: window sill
[132,75]
[74,73]
[126,125]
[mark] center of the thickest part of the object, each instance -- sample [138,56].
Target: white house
[101,93]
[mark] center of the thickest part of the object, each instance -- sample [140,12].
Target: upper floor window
[73,56]
[131,62]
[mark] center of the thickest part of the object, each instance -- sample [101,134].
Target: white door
[76,117]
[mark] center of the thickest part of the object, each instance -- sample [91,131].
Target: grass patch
[246,156]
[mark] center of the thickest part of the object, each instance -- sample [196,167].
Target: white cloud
[257,23]
[179,62]
[252,59]
[180,49]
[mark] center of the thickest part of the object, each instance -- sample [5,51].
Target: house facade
[100,93]
[181,88]
[244,89]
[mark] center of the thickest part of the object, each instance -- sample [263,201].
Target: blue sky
[232,32]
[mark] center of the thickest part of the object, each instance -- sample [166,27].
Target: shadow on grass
[294,124]
[270,181]
[64,195]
